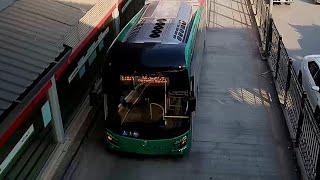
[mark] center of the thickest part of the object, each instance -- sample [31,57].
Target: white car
[309,78]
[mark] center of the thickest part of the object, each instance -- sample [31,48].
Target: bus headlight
[112,140]
[182,142]
[109,138]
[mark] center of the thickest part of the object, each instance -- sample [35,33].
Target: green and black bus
[150,79]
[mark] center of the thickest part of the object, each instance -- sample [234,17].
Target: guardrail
[304,129]
[261,12]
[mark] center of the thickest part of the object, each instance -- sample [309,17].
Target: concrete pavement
[239,130]
[299,25]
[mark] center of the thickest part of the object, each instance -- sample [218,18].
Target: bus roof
[163,21]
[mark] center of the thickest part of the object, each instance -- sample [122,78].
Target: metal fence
[304,129]
[261,12]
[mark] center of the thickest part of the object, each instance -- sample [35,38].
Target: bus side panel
[198,53]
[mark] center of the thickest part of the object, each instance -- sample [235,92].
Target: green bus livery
[150,79]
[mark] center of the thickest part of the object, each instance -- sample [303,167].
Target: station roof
[33,33]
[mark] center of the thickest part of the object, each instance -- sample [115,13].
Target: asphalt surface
[299,25]
[239,130]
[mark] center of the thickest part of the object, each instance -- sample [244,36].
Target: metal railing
[261,12]
[303,127]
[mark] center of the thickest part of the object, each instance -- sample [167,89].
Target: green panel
[191,40]
[131,23]
[150,147]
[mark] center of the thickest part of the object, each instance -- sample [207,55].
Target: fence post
[318,167]
[269,38]
[278,56]
[300,120]
[261,13]
[288,81]
[271,5]
[257,7]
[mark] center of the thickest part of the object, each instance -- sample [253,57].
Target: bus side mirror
[192,104]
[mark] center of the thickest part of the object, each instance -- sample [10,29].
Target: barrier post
[278,57]
[56,113]
[269,38]
[116,20]
[300,120]
[261,13]
[288,81]
[257,8]
[271,6]
[318,167]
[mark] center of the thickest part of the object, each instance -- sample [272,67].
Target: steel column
[116,20]
[56,114]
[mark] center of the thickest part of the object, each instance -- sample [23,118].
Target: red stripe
[202,2]
[83,44]
[120,2]
[25,113]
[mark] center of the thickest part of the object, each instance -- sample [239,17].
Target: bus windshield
[148,108]
[142,99]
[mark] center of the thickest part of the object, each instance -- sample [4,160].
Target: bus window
[148,103]
[138,93]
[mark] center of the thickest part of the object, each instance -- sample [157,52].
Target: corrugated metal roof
[88,22]
[33,34]
[84,5]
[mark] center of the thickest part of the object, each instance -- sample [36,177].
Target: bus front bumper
[179,145]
